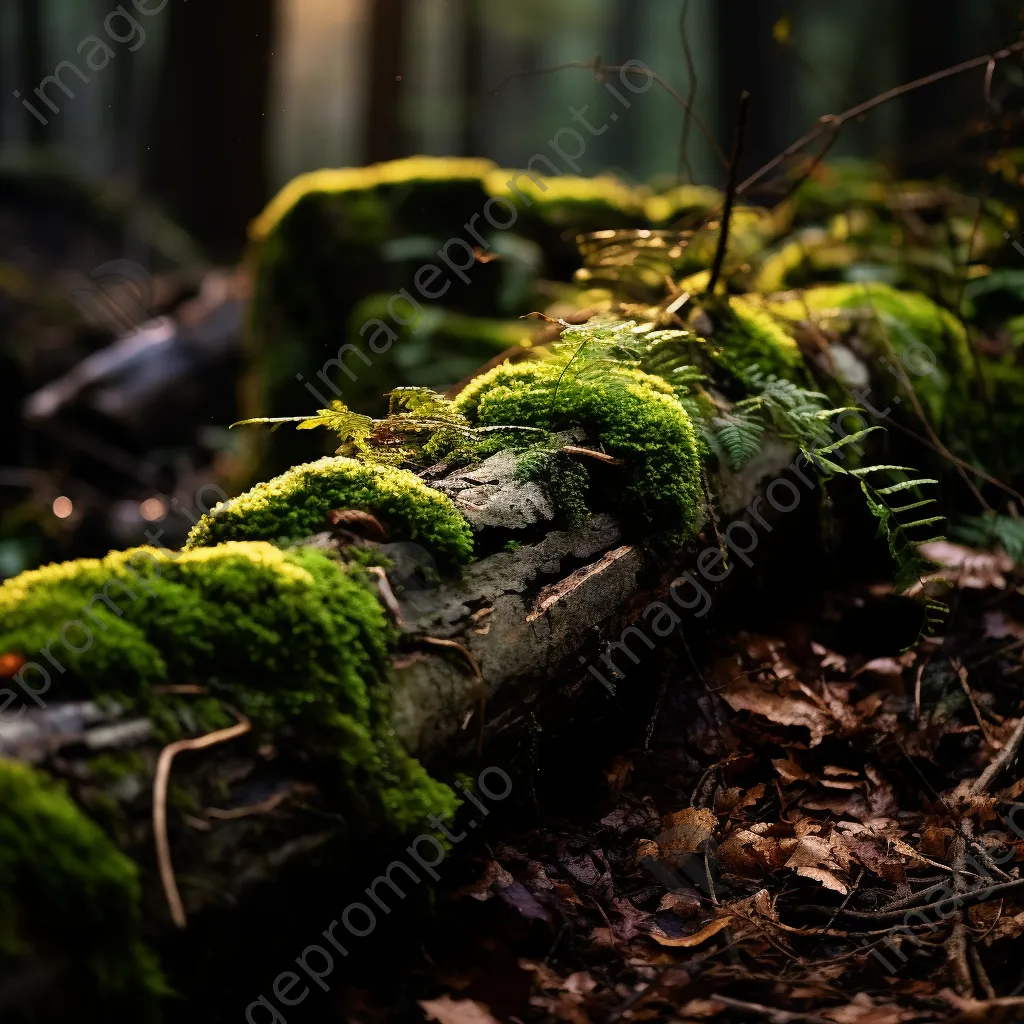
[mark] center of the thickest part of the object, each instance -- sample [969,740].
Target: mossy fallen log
[361,698]
[462,570]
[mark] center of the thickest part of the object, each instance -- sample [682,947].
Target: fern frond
[905,485]
[846,440]
[904,549]
[424,403]
[736,436]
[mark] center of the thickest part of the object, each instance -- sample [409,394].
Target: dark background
[227,99]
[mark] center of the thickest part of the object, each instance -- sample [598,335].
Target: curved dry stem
[160,783]
[474,665]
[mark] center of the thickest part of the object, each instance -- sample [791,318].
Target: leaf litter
[818,833]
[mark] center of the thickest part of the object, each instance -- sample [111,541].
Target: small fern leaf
[904,485]
[847,440]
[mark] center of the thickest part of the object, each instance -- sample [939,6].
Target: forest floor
[813,826]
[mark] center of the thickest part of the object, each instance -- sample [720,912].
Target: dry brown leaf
[829,659]
[968,568]
[744,695]
[789,770]
[685,831]
[681,904]
[702,1008]
[688,941]
[645,848]
[457,1011]
[887,668]
[935,841]
[750,855]
[736,798]
[494,879]
[860,1010]
[826,878]
[820,858]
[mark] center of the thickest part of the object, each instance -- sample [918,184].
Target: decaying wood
[531,619]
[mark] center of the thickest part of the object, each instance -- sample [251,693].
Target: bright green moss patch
[69,897]
[634,415]
[568,201]
[294,506]
[292,639]
[394,176]
[747,339]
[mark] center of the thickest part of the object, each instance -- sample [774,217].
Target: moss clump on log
[635,415]
[295,505]
[747,340]
[568,202]
[294,639]
[69,896]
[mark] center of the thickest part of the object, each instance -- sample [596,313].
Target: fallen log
[310,686]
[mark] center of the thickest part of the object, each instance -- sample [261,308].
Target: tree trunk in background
[386,137]
[750,59]
[30,49]
[472,69]
[206,159]
[935,119]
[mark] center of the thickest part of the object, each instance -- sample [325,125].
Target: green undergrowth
[70,899]
[903,329]
[295,505]
[297,642]
[747,339]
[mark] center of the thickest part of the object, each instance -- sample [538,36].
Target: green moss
[293,640]
[696,200]
[634,415]
[747,338]
[68,896]
[568,201]
[294,506]
[922,334]
[433,176]
[562,476]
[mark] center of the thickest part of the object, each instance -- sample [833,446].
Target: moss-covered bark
[296,638]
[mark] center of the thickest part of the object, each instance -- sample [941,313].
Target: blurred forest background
[228,99]
[125,199]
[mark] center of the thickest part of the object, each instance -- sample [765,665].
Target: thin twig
[479,676]
[984,982]
[730,192]
[956,947]
[571,449]
[387,594]
[774,1015]
[923,417]
[962,676]
[999,762]
[263,807]
[834,122]
[691,75]
[160,783]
